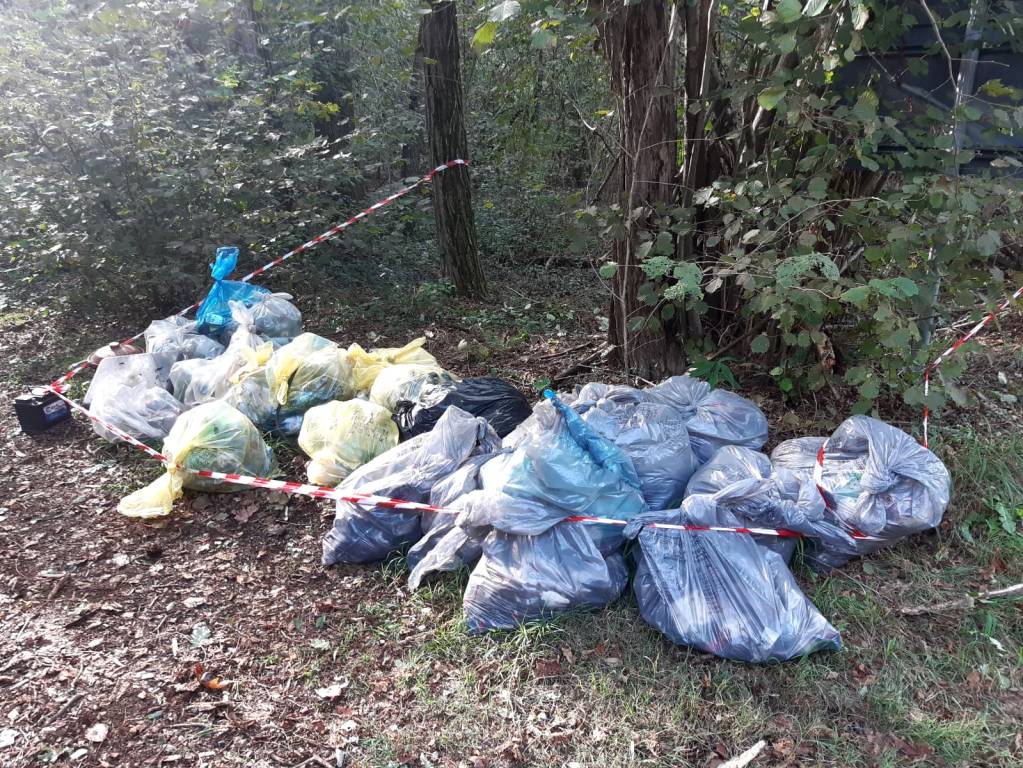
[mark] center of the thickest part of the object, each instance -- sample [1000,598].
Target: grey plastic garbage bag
[525,578]
[713,417]
[653,436]
[177,338]
[744,482]
[722,592]
[879,481]
[275,317]
[144,412]
[798,454]
[558,460]
[362,534]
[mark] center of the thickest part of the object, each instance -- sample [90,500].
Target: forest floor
[217,639]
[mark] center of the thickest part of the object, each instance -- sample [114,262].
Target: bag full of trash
[556,459]
[212,436]
[362,533]
[366,366]
[496,400]
[405,382]
[214,314]
[147,370]
[877,480]
[144,412]
[653,436]
[311,370]
[339,437]
[177,338]
[745,483]
[200,381]
[721,592]
[275,317]
[533,567]
[798,454]
[713,417]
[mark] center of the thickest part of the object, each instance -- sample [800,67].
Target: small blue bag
[214,313]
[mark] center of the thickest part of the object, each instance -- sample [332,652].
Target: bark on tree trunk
[331,70]
[445,125]
[635,40]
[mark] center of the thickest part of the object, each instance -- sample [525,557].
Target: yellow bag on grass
[213,436]
[340,437]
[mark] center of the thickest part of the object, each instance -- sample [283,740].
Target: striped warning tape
[61,382]
[385,502]
[933,366]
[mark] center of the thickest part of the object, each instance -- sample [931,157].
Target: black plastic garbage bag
[722,592]
[652,435]
[744,482]
[498,401]
[365,534]
[713,417]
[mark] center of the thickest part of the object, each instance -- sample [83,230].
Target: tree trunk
[635,39]
[445,125]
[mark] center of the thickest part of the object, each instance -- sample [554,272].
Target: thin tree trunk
[445,125]
[635,41]
[331,71]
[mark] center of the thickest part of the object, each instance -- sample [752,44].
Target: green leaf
[860,15]
[785,385]
[657,267]
[989,243]
[857,295]
[869,390]
[905,286]
[543,39]
[485,35]
[769,97]
[789,11]
[814,7]
[607,271]
[760,345]
[865,108]
[786,43]
[509,9]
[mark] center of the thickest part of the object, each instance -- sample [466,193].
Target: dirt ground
[217,639]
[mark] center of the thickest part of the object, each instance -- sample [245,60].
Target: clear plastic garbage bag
[878,481]
[363,534]
[558,460]
[496,400]
[744,482]
[339,437]
[713,417]
[522,578]
[309,371]
[275,317]
[405,382]
[213,436]
[366,366]
[214,314]
[176,337]
[652,435]
[144,412]
[201,381]
[721,592]
[147,370]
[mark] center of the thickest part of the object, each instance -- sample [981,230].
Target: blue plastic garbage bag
[722,592]
[366,534]
[214,314]
[875,479]
[744,482]
[556,459]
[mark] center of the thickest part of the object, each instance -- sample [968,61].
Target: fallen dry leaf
[97,734]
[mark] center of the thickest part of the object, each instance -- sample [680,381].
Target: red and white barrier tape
[369,500]
[959,342]
[80,366]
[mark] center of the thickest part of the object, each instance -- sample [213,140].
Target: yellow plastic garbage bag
[340,437]
[404,382]
[308,371]
[213,436]
[368,365]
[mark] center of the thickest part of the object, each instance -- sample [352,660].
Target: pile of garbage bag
[545,506]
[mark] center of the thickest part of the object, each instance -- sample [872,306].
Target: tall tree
[445,126]
[637,43]
[331,68]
